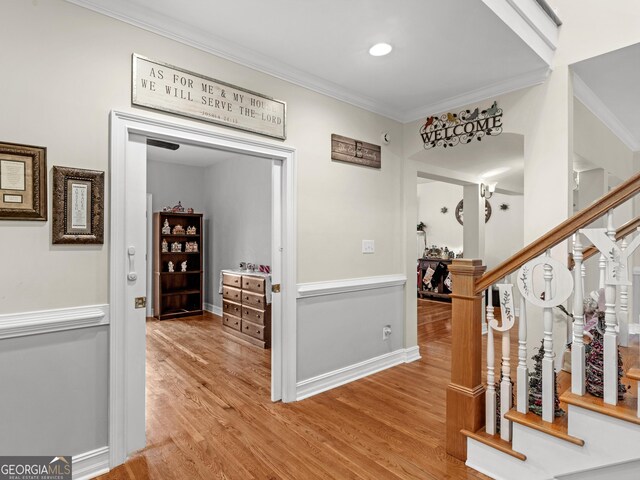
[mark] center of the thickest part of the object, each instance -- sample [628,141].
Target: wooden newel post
[465,393]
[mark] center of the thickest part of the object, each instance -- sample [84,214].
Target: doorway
[128,255]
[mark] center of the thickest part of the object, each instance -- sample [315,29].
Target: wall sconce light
[487,190]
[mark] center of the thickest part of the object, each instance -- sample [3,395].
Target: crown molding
[590,100]
[168,27]
[526,80]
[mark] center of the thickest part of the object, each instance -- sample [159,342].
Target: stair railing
[467,407]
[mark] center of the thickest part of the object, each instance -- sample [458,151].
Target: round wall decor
[460,213]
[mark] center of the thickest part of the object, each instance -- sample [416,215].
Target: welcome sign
[451,129]
[171,89]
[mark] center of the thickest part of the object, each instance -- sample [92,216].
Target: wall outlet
[386,332]
[368,246]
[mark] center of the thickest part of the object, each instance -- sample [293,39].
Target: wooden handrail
[625,230]
[584,217]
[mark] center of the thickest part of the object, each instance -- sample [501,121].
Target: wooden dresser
[245,311]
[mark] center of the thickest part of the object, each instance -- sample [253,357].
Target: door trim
[122,124]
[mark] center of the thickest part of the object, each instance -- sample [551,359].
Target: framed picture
[23,182]
[78,206]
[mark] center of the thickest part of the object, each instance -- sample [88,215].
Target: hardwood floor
[209,414]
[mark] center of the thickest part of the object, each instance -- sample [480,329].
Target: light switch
[368,246]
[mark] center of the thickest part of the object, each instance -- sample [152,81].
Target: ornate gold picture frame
[23,182]
[78,206]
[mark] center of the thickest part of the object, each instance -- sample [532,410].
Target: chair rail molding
[333,287]
[49,321]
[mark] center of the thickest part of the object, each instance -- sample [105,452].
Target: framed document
[78,206]
[23,182]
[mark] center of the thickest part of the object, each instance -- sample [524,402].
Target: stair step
[633,374]
[494,441]
[558,428]
[625,409]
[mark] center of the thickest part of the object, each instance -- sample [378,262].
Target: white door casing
[128,133]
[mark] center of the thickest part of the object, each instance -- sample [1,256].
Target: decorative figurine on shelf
[191,247]
[243,265]
[165,246]
[178,230]
[166,229]
[178,208]
[170,267]
[183,266]
[251,267]
[167,209]
[265,268]
[176,247]
[191,230]
[189,210]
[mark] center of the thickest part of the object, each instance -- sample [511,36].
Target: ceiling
[446,53]
[609,85]
[191,155]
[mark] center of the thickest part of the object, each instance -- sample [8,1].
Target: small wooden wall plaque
[346,149]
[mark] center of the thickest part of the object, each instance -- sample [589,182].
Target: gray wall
[54,392]
[335,331]
[170,183]
[238,208]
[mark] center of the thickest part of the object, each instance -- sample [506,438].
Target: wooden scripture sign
[349,150]
[451,129]
[171,89]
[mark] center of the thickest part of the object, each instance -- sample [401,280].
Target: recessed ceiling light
[380,49]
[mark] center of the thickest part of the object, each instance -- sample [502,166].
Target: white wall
[503,231]
[238,210]
[170,183]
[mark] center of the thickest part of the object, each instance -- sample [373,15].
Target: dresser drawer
[256,316]
[253,330]
[253,284]
[231,308]
[253,299]
[230,293]
[231,321]
[232,280]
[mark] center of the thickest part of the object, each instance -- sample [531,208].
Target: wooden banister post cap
[467,266]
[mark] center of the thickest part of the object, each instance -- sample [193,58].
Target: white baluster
[610,334]
[602,267]
[577,349]
[623,314]
[490,403]
[523,371]
[548,380]
[506,389]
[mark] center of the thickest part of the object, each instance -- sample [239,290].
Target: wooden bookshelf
[177,294]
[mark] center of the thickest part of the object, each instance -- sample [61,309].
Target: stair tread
[633,373]
[494,441]
[558,428]
[626,409]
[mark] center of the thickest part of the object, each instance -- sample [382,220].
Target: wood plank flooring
[209,415]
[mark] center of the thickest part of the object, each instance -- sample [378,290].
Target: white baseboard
[48,321]
[91,464]
[211,308]
[329,380]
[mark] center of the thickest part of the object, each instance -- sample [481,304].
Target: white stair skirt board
[211,308]
[620,471]
[91,464]
[607,440]
[329,380]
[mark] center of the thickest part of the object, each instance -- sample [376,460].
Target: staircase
[595,436]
